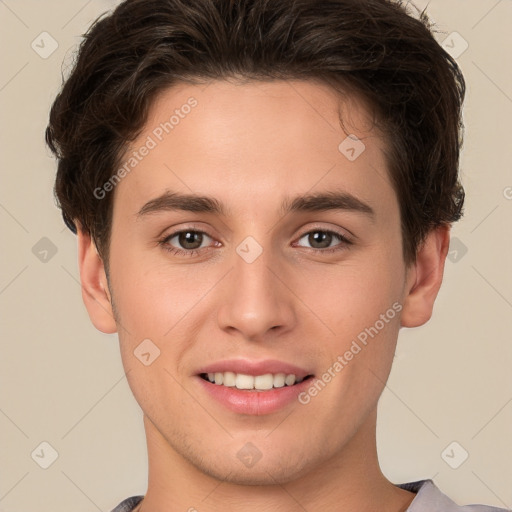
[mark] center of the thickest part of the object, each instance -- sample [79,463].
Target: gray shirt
[428,499]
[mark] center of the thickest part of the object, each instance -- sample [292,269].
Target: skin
[250,146]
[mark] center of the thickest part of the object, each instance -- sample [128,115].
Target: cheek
[152,298]
[352,295]
[163,304]
[360,301]
[155,306]
[361,304]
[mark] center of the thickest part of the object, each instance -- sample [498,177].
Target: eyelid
[175,229]
[345,234]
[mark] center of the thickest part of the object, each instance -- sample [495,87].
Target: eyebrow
[322,201]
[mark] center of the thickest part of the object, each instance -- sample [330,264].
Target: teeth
[258,382]
[244,381]
[264,381]
[279,379]
[229,379]
[290,380]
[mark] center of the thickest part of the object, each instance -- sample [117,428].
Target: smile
[253,382]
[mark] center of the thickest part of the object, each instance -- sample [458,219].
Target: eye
[320,240]
[189,242]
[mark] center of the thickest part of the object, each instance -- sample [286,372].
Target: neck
[350,480]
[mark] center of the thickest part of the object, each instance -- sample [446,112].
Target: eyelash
[192,252]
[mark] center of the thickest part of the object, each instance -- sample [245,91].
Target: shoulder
[128,504]
[430,499]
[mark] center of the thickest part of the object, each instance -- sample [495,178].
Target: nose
[257,301]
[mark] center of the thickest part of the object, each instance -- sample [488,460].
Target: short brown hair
[372,47]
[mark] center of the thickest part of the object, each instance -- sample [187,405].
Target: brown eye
[190,239]
[186,242]
[321,240]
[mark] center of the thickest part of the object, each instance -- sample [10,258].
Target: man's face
[258,289]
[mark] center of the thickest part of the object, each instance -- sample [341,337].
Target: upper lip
[254,368]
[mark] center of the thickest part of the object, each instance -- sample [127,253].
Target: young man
[262,193]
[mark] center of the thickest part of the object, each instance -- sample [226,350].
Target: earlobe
[95,292]
[425,277]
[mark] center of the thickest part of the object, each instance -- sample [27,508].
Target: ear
[424,278]
[95,292]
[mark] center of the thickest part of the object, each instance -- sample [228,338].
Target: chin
[262,473]
[247,461]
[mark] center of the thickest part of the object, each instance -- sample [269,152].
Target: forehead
[262,140]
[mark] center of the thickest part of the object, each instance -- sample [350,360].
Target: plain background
[62,381]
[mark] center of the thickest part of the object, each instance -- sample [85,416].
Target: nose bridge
[256,300]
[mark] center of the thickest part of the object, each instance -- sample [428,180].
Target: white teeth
[258,382]
[279,379]
[229,379]
[244,381]
[264,381]
[290,380]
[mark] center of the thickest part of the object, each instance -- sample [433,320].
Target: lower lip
[254,402]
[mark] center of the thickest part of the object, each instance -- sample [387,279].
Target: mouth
[263,382]
[253,387]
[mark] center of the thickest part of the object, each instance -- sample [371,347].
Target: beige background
[62,381]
